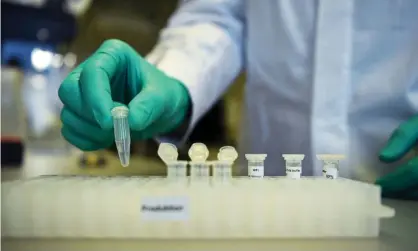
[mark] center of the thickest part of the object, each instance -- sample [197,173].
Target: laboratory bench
[397,234]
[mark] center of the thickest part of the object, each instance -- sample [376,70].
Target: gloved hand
[116,74]
[403,182]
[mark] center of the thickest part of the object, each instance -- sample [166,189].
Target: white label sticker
[293,172]
[165,208]
[331,172]
[256,171]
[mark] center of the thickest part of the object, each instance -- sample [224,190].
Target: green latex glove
[403,182]
[115,74]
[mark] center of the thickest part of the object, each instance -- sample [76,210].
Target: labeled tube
[331,164]
[122,134]
[256,165]
[293,165]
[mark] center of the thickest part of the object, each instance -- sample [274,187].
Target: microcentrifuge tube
[222,169]
[293,165]
[198,154]
[169,154]
[177,169]
[331,164]
[122,134]
[256,165]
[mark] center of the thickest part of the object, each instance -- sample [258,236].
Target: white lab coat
[324,76]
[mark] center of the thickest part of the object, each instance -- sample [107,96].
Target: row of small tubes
[199,166]
[222,168]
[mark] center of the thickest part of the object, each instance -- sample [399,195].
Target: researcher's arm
[202,46]
[198,55]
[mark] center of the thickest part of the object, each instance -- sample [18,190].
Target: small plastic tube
[256,165]
[331,164]
[177,169]
[199,167]
[169,154]
[293,165]
[222,168]
[122,134]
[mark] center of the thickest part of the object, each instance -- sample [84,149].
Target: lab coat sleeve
[202,47]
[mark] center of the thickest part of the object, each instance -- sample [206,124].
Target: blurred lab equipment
[13,131]
[38,46]
[93,159]
[43,21]
[44,126]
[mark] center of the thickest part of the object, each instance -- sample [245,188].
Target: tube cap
[227,153]
[330,157]
[167,152]
[294,157]
[198,152]
[256,157]
[120,112]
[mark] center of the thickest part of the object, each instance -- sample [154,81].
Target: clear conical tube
[122,134]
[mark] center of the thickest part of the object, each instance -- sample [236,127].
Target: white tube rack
[116,207]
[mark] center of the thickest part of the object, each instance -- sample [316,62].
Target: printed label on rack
[165,208]
[331,171]
[256,171]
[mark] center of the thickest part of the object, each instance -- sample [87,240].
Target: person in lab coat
[324,76]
